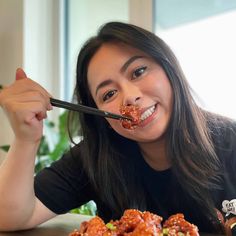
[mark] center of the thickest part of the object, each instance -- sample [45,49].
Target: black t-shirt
[65,185]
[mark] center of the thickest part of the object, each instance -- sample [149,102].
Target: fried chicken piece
[130,219]
[145,229]
[133,112]
[177,224]
[75,233]
[134,222]
[93,227]
[153,219]
[150,226]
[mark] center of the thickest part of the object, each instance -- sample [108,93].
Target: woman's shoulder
[71,159]
[221,125]
[76,149]
[223,132]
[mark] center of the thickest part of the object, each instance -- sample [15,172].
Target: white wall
[11,50]
[141,13]
[42,42]
[30,38]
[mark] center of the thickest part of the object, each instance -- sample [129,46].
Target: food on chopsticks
[137,223]
[133,112]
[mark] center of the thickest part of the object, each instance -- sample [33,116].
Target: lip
[150,118]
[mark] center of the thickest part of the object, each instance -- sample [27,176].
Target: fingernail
[49,107]
[20,74]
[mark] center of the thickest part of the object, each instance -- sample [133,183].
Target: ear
[20,74]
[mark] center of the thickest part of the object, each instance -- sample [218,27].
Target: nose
[131,101]
[132,95]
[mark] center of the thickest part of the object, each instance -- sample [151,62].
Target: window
[202,35]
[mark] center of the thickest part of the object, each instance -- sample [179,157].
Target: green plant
[89,208]
[54,143]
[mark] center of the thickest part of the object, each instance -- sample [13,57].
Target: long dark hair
[189,143]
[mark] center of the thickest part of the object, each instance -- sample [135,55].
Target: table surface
[61,225]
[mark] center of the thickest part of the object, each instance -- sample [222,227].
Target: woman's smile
[148,115]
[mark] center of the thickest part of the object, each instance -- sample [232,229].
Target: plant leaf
[61,147]
[5,148]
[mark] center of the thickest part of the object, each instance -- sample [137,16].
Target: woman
[179,159]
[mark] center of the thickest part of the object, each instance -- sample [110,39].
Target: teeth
[147,113]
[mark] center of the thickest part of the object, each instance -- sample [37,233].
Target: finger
[28,112]
[41,115]
[20,74]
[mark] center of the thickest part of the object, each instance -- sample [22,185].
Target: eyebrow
[127,63]
[123,69]
[103,84]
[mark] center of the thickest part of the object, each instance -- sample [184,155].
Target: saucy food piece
[137,223]
[177,225]
[95,226]
[133,112]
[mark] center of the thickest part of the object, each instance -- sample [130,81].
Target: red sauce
[133,112]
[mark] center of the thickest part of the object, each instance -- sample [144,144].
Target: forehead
[109,58]
[118,51]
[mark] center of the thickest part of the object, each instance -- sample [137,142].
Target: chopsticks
[86,109]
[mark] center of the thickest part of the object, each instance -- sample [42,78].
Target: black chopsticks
[86,109]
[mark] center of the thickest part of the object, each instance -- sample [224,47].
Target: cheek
[164,91]
[113,107]
[116,125]
[169,97]
[166,95]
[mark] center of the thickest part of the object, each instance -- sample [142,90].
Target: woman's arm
[25,104]
[19,208]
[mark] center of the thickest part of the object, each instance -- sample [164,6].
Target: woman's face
[121,75]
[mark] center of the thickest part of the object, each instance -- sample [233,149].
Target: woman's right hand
[26,104]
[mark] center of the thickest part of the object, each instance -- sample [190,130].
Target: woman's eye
[108,95]
[138,72]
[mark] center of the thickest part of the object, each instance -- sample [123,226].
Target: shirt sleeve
[64,185]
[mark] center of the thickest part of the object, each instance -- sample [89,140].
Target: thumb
[20,74]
